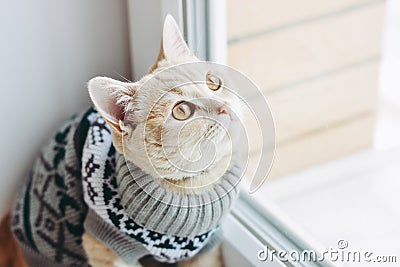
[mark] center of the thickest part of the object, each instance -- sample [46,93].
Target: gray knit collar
[170,226]
[170,212]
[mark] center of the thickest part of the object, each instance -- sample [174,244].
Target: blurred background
[329,70]
[317,63]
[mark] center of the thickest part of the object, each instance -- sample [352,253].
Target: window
[331,88]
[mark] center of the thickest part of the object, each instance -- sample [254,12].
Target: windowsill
[355,198]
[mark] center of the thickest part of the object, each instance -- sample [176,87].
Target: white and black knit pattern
[101,195]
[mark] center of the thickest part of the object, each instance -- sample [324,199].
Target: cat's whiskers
[197,143]
[213,131]
[120,75]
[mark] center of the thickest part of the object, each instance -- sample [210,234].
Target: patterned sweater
[80,183]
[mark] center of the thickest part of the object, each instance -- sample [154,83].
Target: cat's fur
[10,254]
[130,110]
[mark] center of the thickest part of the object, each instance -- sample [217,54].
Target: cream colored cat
[134,108]
[161,196]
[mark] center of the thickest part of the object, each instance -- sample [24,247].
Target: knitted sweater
[80,183]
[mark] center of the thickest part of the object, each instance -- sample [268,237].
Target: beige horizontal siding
[317,64]
[328,144]
[319,104]
[290,55]
[251,17]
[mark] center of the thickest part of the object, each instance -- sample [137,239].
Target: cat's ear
[173,45]
[110,98]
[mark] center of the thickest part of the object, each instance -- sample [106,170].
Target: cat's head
[178,121]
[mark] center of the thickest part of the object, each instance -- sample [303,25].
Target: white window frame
[249,226]
[200,21]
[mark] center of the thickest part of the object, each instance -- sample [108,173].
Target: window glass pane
[332,82]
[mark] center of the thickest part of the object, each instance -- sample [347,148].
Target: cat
[162,125]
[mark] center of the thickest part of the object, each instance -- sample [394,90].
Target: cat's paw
[121,263]
[212,258]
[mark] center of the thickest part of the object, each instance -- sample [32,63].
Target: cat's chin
[171,178]
[196,182]
[190,185]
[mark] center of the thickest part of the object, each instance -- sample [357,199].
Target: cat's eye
[213,82]
[183,110]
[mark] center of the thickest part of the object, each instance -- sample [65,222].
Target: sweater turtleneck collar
[170,212]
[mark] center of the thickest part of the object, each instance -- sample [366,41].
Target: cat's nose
[224,109]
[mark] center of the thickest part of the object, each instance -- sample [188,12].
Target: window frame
[202,22]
